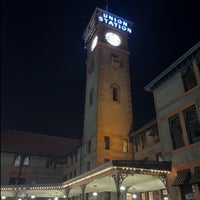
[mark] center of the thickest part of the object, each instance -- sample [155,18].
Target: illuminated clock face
[94,43]
[113,39]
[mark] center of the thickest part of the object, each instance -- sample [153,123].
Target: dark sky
[43,57]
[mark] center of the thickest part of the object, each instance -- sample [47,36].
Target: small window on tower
[107,142]
[115,61]
[115,92]
[125,145]
[88,166]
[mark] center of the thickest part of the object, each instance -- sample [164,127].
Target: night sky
[43,57]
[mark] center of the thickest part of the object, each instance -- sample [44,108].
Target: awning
[146,176]
[196,176]
[182,177]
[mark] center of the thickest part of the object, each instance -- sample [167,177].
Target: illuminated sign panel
[115,21]
[109,19]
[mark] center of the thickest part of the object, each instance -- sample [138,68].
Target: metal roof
[13,141]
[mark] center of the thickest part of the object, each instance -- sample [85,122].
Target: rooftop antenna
[106,5]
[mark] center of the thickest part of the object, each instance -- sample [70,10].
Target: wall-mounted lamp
[122,188]
[95,194]
[134,196]
[95,191]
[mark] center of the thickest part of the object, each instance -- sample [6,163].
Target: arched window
[26,161]
[88,166]
[17,160]
[115,92]
[125,145]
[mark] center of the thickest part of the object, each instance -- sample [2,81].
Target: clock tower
[108,105]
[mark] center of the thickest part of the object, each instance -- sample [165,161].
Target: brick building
[175,134]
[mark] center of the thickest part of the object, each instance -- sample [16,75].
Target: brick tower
[108,104]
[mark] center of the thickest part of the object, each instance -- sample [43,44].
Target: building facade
[176,94]
[31,159]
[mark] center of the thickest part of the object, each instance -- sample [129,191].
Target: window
[56,166]
[26,161]
[115,94]
[49,163]
[125,145]
[71,158]
[17,160]
[107,142]
[106,160]
[143,140]
[75,156]
[91,97]
[75,173]
[88,166]
[136,146]
[21,160]
[188,78]
[150,194]
[145,158]
[115,61]
[143,196]
[176,132]
[192,124]
[107,196]
[12,181]
[156,137]
[89,146]
[15,180]
[21,181]
[159,157]
[155,134]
